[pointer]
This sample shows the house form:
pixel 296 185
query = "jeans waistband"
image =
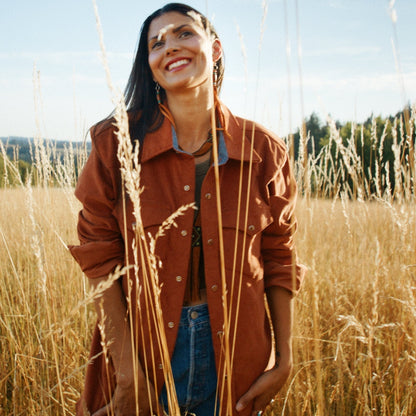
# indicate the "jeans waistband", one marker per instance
pixel 194 315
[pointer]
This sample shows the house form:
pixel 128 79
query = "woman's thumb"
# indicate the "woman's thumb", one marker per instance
pixel 244 401
pixel 103 411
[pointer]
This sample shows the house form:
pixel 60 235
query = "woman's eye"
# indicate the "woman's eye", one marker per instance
pixel 185 34
pixel 156 45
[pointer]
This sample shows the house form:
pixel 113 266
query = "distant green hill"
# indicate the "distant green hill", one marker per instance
pixel 22 148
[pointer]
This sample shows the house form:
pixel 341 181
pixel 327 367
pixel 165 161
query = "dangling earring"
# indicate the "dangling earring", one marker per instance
pixel 215 74
pixel 162 108
pixel 157 88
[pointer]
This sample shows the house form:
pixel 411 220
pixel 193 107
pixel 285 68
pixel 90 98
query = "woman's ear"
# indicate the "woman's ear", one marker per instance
pixel 216 50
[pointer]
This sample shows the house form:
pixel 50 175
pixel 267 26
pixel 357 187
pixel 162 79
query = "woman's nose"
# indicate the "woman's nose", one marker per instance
pixel 171 47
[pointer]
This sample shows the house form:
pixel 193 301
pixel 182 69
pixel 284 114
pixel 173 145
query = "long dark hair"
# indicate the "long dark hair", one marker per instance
pixel 139 94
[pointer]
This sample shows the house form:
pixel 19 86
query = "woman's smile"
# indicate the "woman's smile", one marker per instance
pixel 177 64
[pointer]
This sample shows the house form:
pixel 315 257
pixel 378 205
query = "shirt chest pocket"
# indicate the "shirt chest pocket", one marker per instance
pixel 242 240
pixel 153 216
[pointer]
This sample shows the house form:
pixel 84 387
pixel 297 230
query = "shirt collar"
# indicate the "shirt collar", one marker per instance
pixel 239 134
pixel 157 142
pixel 233 142
pixel 222 149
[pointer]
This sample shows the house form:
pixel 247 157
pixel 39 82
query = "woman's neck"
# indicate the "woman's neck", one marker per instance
pixel 192 115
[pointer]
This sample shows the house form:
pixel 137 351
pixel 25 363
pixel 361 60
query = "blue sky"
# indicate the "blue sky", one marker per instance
pixel 347 66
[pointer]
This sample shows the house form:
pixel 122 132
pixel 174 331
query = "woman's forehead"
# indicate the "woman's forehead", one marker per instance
pixel 170 21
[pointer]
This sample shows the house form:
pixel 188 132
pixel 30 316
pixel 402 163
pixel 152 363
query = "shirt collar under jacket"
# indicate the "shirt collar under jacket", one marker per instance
pixel 230 143
pixel 222 149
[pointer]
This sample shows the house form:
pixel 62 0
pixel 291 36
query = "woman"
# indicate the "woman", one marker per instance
pixel 221 358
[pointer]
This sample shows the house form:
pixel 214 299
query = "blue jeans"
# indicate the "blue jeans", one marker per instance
pixel 193 364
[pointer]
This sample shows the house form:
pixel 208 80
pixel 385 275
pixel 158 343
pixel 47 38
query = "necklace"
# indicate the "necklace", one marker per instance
pixel 205 147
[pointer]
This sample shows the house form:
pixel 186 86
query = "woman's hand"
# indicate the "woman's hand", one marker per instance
pixel 124 402
pixel 265 388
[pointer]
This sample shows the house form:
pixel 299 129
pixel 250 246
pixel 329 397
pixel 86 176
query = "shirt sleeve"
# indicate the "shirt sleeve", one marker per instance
pixel 101 246
pixel 278 249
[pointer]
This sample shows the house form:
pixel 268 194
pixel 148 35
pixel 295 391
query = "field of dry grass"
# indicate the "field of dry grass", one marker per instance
pixel 355 327
pixel 355 332
pixel 44 327
pixel 355 320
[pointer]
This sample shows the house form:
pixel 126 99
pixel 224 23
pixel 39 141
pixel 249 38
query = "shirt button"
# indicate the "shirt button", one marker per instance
pixel 214 288
pixel 179 279
pixel 210 242
pixel 194 314
pixel 160 366
pixel 208 196
pixel 251 227
pixel 184 233
pixel 171 324
pixel 186 188
pixel 220 333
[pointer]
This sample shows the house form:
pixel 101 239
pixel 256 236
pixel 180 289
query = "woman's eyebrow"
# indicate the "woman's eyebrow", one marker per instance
pixel 179 28
pixel 165 29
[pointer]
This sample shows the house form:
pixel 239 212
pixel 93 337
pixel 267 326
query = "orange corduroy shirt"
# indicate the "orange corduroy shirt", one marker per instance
pixel 258 248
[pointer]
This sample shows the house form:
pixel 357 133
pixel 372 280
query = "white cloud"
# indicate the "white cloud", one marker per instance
pixel 344 51
pixel 374 83
pixel 337 4
pixel 63 56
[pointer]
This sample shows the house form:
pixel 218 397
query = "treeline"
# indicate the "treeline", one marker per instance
pixel 42 161
pixel 375 159
pixel 362 160
pixel 23 148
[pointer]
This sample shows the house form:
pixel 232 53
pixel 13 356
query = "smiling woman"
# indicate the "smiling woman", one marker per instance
pixel 140 91
pixel 182 56
pixel 184 330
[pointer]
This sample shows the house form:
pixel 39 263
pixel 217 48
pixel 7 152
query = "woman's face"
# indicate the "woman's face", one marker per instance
pixel 181 54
